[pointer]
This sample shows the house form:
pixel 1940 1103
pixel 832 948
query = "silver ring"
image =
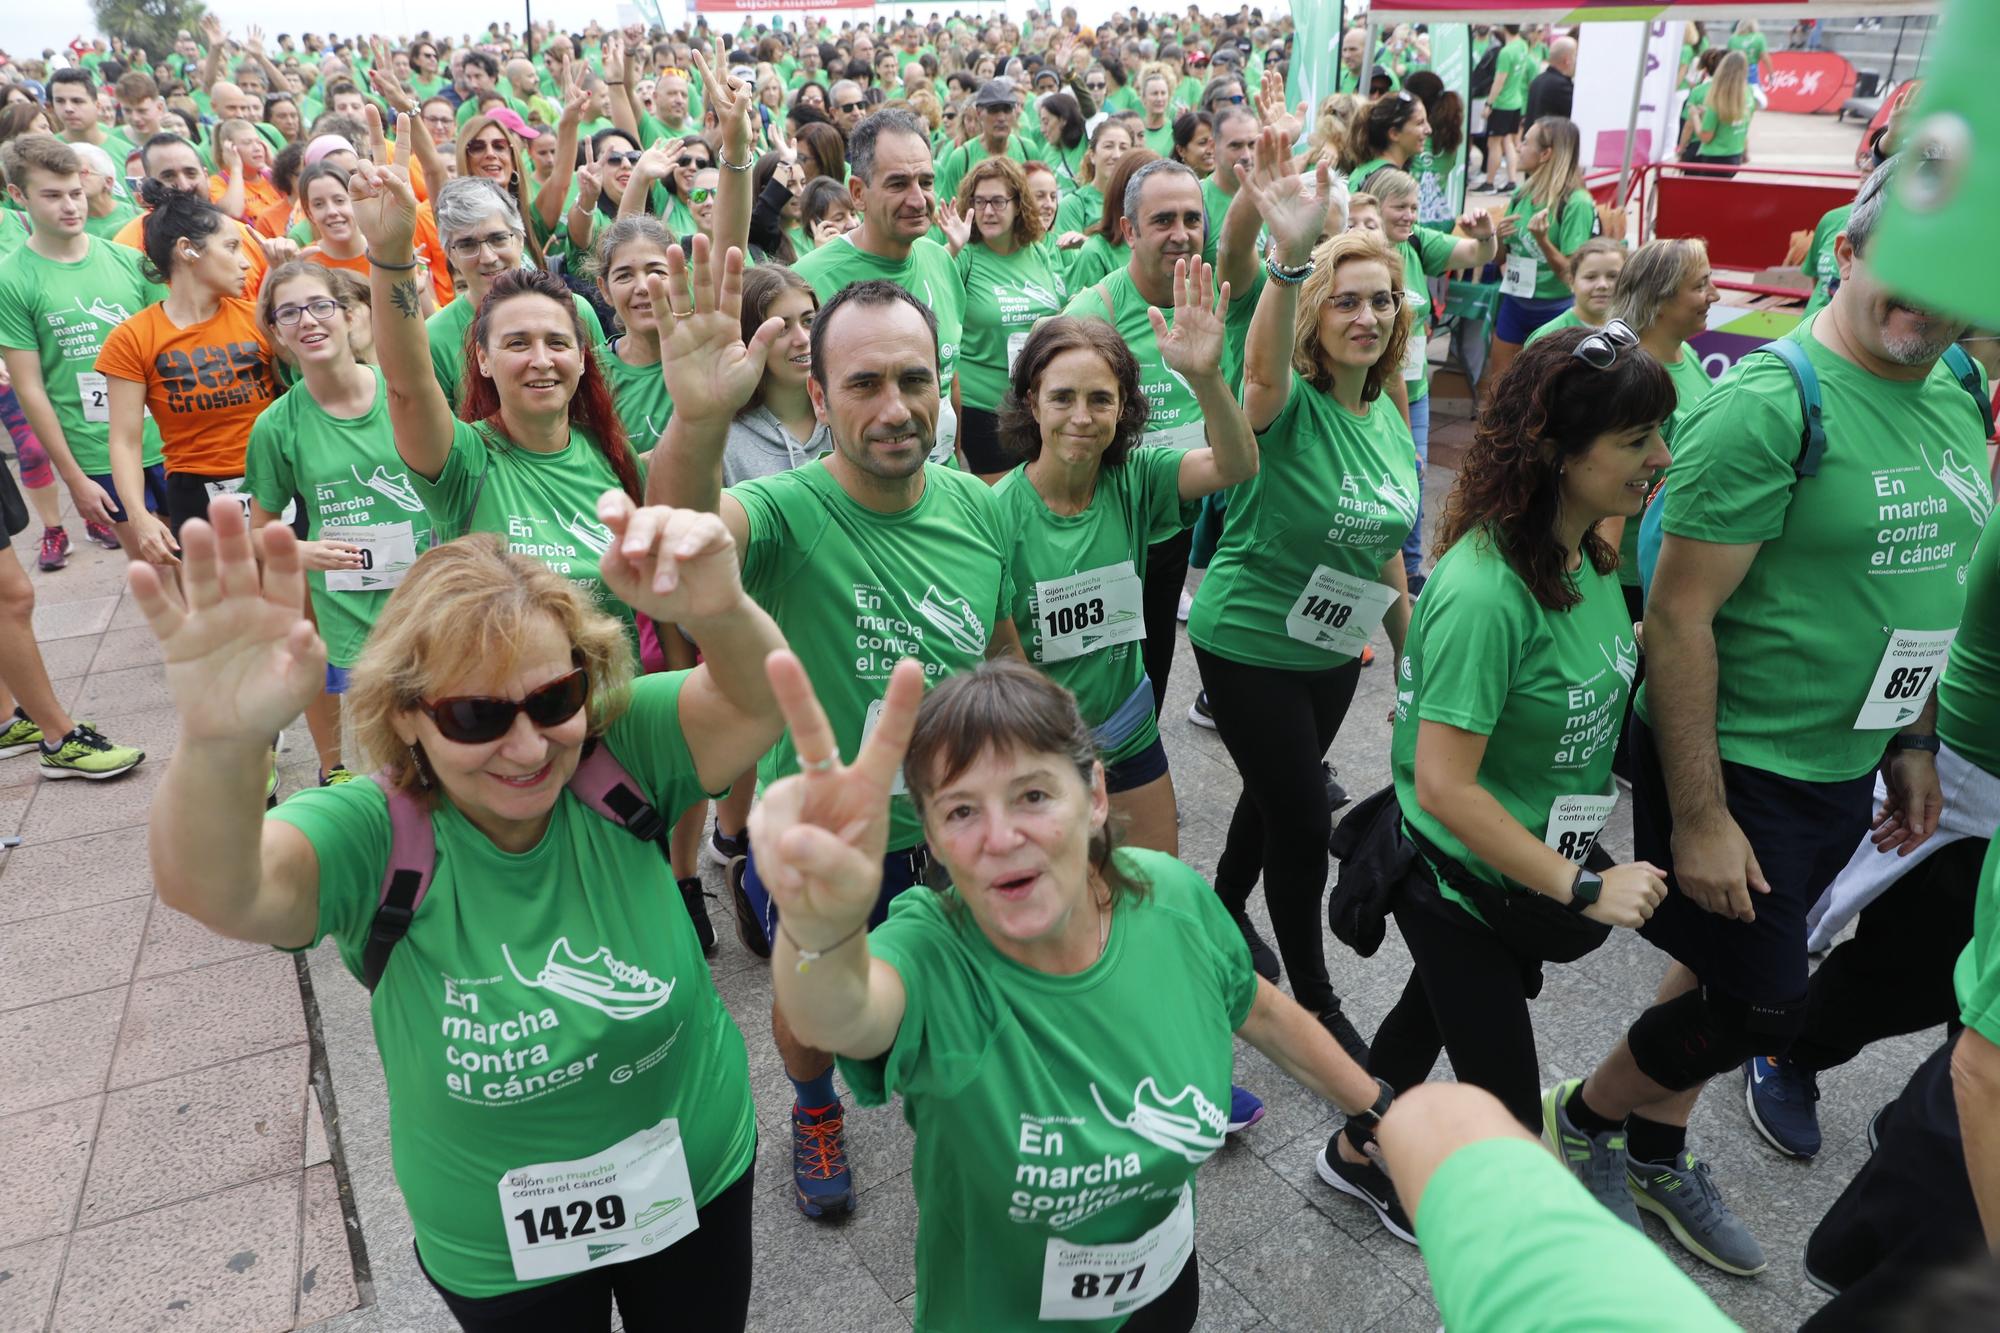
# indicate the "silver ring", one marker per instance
pixel 816 765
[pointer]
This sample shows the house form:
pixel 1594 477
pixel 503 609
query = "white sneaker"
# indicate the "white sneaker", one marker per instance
pixel 1187 605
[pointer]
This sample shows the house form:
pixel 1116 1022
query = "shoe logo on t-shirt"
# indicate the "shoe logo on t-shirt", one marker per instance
pixel 1963 480
pixel 1623 657
pixel 617 989
pixel 588 532
pixel 1153 1117
pixel 396 489
pixel 107 312
pixel 956 618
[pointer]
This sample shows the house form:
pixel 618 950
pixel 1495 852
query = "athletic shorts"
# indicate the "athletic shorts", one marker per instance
pixel 336 679
pixel 155 481
pixel 13 509
pixel 1519 316
pixel 1500 124
pixel 188 497
pixel 1129 774
pixel 1802 834
pixel 900 870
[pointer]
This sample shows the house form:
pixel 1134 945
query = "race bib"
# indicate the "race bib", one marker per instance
pixel 387 552
pixel 1575 822
pixel 233 488
pixel 1338 612
pixel 1015 342
pixel 95 393
pixel 1908 673
pixel 868 721
pixel 1188 435
pixel 947 431
pixel 1416 352
pixel 1104 1281
pixel 1518 278
pixel 1086 612
pixel 628 1202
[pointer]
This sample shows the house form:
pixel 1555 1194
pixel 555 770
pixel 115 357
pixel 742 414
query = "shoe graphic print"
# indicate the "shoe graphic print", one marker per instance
pixel 956 618
pixel 396 489
pixel 103 311
pixel 588 532
pixel 616 989
pixel 1966 483
pixel 1187 1123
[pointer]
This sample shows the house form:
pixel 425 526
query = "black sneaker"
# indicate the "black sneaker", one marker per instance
pixel 749 926
pixel 1335 1021
pixel 1370 1184
pixel 693 894
pixel 1336 795
pixel 722 850
pixel 1198 712
pixel 1263 958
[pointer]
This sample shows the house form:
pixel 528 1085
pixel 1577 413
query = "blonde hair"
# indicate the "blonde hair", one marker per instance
pixel 1387 185
pixel 1561 173
pixel 1149 72
pixel 1330 125
pixel 1729 92
pixel 472 601
pixel 1653 275
pixel 1349 247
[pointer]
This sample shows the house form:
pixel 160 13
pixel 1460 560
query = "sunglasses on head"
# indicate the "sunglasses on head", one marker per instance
pixel 1600 350
pixel 476 720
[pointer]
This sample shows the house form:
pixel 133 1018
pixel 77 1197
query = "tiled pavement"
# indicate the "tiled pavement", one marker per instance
pixel 158 1165
pixel 162 1154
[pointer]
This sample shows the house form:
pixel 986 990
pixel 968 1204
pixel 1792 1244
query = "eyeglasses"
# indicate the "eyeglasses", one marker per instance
pixel 476 720
pixel 1234 99
pixel 849 106
pixel 320 308
pixel 700 195
pixel 1349 304
pixel 988 201
pixel 467 246
pixel 1600 350
pixel 1095 85
pixel 621 159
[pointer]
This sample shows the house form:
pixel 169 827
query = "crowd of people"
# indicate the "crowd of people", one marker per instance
pixel 584 430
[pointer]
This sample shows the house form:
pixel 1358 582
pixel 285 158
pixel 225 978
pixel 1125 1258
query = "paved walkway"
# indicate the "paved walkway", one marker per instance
pixel 162 1154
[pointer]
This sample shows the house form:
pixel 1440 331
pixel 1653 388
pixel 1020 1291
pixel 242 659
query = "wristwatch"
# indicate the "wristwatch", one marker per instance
pixel 1367 1121
pixel 1583 890
pixel 1912 740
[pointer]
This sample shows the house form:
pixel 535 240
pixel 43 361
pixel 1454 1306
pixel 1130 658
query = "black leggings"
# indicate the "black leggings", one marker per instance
pixel 1467 996
pixel 700 1281
pixel 1166 575
pixel 1277 726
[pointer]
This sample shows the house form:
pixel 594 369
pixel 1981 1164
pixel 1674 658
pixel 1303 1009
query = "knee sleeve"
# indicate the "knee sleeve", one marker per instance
pixel 1698 1035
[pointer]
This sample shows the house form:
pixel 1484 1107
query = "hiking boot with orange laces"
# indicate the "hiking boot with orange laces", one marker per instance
pixel 821 1182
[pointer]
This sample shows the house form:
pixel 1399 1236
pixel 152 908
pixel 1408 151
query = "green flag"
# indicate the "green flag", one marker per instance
pixel 1936 208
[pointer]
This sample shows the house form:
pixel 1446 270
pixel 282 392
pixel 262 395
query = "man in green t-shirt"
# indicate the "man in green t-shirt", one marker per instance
pixel 1505 105
pixel 1820 264
pixel 1750 790
pixel 999 113
pixel 865 556
pixel 894 190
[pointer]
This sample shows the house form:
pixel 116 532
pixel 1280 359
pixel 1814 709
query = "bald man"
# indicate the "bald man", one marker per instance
pixel 1554 89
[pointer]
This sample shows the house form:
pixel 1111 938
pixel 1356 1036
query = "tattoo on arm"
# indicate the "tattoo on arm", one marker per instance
pixel 404 294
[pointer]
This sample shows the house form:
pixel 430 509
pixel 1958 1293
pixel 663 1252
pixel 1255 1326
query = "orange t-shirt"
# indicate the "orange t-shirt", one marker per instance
pixel 429 249
pixel 133 234
pixel 205 384
pixel 259 195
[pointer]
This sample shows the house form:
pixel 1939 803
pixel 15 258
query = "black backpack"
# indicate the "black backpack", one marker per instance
pixel 1483 72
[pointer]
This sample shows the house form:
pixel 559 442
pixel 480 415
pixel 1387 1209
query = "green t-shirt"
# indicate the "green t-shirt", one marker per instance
pixel 1968 695
pixel 1546 688
pixel 1004 296
pixel 927 274
pixel 639 394
pixel 1079 210
pixel 1689 53
pixel 1089 568
pixel 970 154
pixel 1072 1108
pixel 545 505
pixel 1094 260
pixel 1490 1272
pixel 1570 225
pixel 1821 265
pixel 1976 978
pixel 111 223
pixel 1067 164
pixel 855 590
pixel 446 330
pixel 1731 139
pixel 1122 98
pixel 1333 499
pixel 1425 255
pixel 1753 46
pixel 63 313
pixel 1691 384
pixel 1160 140
pixel 570 1007
pixel 348 475
pixel 1568 319
pixel 1882 534
pixel 1517 62
pixel 1173 416
pixel 1697 99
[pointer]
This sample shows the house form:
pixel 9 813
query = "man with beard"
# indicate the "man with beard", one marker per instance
pixel 1807 588
pixel 864 556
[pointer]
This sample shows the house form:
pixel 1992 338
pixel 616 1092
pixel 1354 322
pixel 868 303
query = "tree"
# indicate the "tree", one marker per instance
pixel 148 23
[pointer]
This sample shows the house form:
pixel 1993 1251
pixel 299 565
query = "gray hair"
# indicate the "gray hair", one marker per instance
pixel 1136 186
pixel 861 144
pixel 1652 276
pixel 1868 200
pixel 463 202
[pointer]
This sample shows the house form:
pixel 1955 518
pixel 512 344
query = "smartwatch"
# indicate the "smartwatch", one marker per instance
pixel 1367 1121
pixel 1912 740
pixel 1583 890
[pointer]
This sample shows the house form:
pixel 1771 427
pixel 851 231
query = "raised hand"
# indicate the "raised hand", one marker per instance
pixel 230 159
pixel 589 184
pixel 657 162
pixel 1294 216
pixel 829 229
pixel 575 102
pixel 242 658
pixel 385 208
pixel 211 30
pixel 956 225
pixel 1538 225
pixel 1478 224
pixel 821 833
pixel 709 370
pixel 383 80
pixel 253 40
pixel 1192 345
pixel 675 565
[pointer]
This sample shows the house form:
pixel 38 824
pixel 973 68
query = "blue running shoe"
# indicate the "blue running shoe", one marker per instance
pixel 821 1182
pixel 1245 1108
pixel 1779 1096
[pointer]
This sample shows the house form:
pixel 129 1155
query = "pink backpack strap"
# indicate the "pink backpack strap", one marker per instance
pixel 602 783
pixel 412 862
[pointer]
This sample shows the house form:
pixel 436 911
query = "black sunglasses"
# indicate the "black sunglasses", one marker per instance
pixel 476 720
pixel 622 159
pixel 851 106
pixel 1600 350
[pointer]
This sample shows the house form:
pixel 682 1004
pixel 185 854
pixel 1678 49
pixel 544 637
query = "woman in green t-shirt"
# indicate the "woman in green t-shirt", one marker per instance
pixel 1723 129
pixel 1063 1091
pixel 1520 661
pixel 1390 131
pixel 1085 204
pixel 1552 215
pixel 545 1020
pixel 1697 97
pixel 1752 45
pixel 1009 285
pixel 1104 249
pixel 1310 562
